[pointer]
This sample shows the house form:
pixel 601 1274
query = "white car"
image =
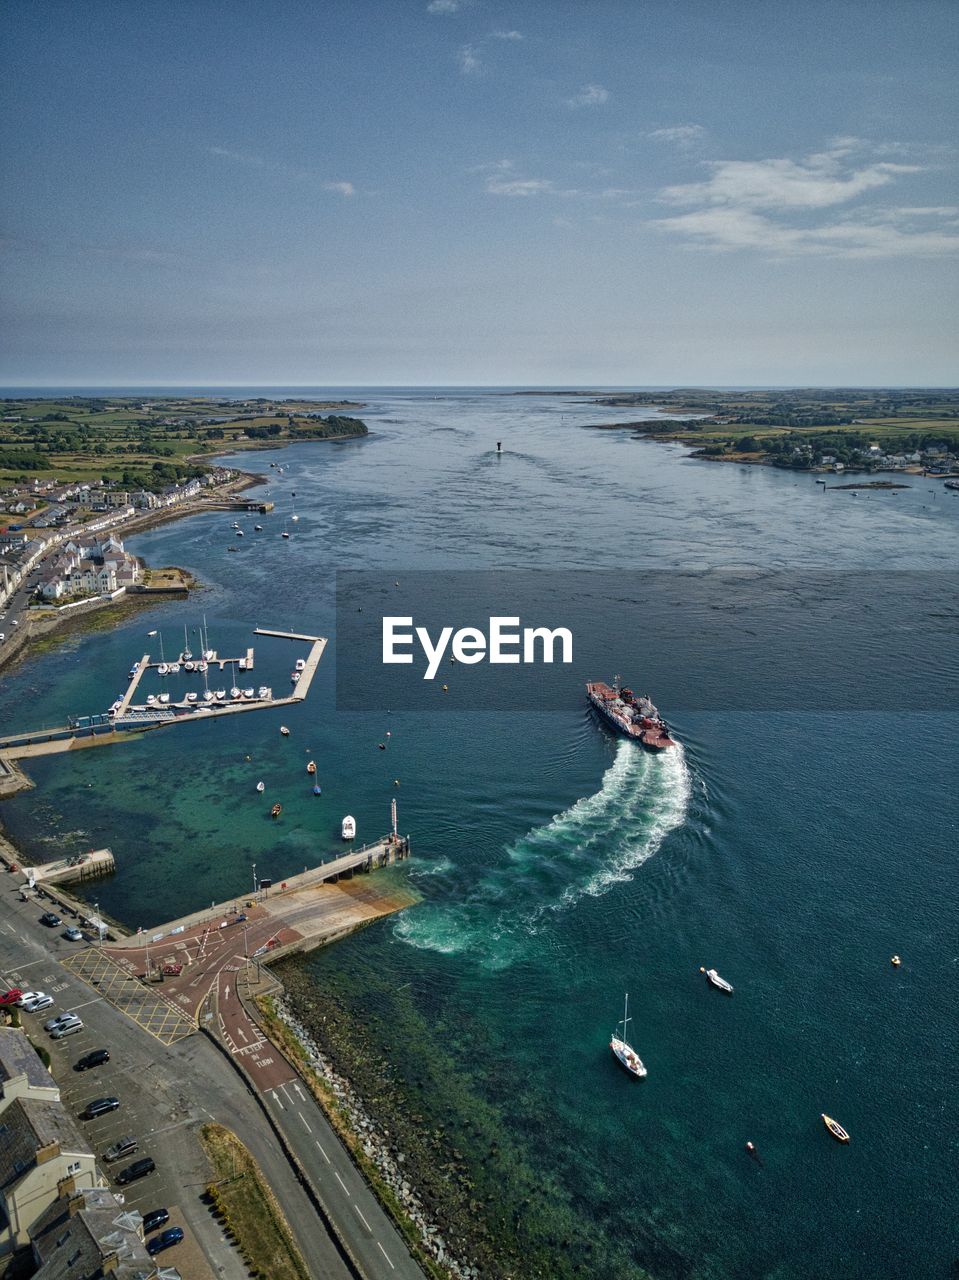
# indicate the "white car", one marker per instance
pixel 37 1004
pixel 30 995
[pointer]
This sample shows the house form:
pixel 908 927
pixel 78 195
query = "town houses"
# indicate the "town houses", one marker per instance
pixel 85 567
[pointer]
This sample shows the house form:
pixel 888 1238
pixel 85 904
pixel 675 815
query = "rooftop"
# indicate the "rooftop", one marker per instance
pixel 19 1058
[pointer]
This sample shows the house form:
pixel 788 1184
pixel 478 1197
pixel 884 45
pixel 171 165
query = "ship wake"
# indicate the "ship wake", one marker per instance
pixel 598 842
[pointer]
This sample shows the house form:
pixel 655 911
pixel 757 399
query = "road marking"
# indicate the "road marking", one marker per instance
pixel 303 1118
pixel 322 1152
pixel 341 1182
pixel 296 1086
pixel 362 1219
pixel 271 1093
pixel 385 1255
pixel 95 1000
pixel 32 962
pixel 286 1095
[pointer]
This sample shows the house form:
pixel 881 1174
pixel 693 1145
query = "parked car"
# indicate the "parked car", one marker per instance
pixel 172 1235
pixel 13 996
pixel 59 1019
pixel 155 1218
pixel 66 1029
pixel 96 1058
pixel 100 1107
pixel 50 919
pixel 139 1169
pixel 29 995
pixel 72 934
pixel 124 1147
pixel 37 1004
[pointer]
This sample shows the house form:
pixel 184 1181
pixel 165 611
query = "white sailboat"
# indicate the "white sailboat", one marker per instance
pixel 187 655
pixel 623 1051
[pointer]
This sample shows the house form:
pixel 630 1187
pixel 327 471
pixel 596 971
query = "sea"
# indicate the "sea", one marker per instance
pixel 794 843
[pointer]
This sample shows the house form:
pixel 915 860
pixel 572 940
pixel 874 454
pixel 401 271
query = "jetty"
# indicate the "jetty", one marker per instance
pixel 73 870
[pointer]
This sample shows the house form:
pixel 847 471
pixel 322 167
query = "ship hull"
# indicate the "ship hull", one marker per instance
pixel 649 732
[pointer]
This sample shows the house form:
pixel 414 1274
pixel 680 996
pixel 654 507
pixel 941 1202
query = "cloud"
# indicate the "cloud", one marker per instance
pixel 250 161
pixel 506 35
pixel 239 157
pixel 444 6
pixel 519 186
pixel 469 60
pixel 814 183
pixel 779 206
pixel 591 95
pixel 683 135
pixel 341 188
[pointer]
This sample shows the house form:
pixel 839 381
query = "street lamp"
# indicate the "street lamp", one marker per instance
pixel 255 884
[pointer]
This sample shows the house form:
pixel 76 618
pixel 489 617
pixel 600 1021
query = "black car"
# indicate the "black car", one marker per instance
pixel 95 1059
pixel 100 1107
pixel 155 1218
pixel 172 1235
pixel 139 1169
pixel 50 920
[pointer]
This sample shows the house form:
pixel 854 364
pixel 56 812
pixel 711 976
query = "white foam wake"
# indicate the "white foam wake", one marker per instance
pixel 598 842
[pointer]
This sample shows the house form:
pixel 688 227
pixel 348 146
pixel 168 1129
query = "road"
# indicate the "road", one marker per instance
pixel 166 1092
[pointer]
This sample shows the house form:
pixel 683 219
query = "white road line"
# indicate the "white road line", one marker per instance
pixel 296 1086
pixel 385 1255
pixel 322 1152
pixel 32 963
pixel 362 1219
pixel 95 1000
pixel 286 1095
pixel 341 1182
pixel 271 1093
pixel 303 1118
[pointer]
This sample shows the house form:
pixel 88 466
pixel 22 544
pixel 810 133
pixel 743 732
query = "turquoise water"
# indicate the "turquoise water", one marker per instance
pixel 559 866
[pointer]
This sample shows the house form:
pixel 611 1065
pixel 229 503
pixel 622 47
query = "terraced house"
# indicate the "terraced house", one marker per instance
pixel 84 568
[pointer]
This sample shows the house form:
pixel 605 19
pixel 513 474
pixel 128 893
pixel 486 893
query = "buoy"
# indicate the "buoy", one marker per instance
pixel 388 734
pixel 750 1146
pixel 701 969
pixel 396 782
pixel 896 962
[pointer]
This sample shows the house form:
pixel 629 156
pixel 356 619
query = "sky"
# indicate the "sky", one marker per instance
pixel 502 192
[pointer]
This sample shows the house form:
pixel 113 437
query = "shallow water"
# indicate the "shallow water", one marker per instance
pixel 560 866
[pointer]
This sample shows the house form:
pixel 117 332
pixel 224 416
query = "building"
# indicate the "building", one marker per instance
pixel 86 567
pixel 22 1074
pixel 41 1152
pixel 88 1234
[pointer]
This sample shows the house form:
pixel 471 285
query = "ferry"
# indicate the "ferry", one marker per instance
pixel 637 717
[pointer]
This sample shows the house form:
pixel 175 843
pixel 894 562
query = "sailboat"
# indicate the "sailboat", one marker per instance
pixel 294 517
pixel 187 655
pixel 623 1051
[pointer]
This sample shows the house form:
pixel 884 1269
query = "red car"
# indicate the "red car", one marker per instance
pixel 11 996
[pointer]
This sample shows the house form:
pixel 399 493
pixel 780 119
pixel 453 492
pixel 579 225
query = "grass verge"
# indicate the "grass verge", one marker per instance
pixel 249 1211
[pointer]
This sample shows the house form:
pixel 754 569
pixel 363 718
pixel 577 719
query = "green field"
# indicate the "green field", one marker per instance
pixel 148 443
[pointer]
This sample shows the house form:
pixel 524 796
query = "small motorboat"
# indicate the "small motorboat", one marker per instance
pixel 263 691
pixel 202 665
pixel 189 666
pixel 276 811
pixel 248 693
pixel 294 677
pixel 162 669
pixel 239 533
pixel 257 528
pixel 261 786
pixel 716 981
pixel 207 695
pixel 284 730
pixel 284 534
pixel 311 767
pixel 236 693
pixel 191 697
pixel 301 664
pixel 220 695
pixel 151 699
pixel 348 828
pixel 173 669
pixel 164 698
pixel 835 1128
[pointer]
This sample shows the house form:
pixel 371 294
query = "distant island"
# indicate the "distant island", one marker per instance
pixel 862 429
pixel 154 441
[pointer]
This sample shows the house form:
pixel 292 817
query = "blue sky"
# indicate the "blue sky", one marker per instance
pixel 479 191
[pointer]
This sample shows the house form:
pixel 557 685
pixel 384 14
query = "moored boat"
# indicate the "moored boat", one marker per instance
pixel 715 980
pixel 311 767
pixel 835 1128
pixel 284 730
pixel 622 1050
pixel 348 827
pixel 276 811
pixel 261 786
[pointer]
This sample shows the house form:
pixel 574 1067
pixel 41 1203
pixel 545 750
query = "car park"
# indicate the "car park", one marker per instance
pixel 96 1058
pixel 60 1020
pixel 66 1029
pixel 50 919
pixel 38 1002
pixel 72 934
pixel 172 1236
pixel 123 1147
pixel 155 1218
pixel 13 996
pixel 139 1169
pixel 100 1107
